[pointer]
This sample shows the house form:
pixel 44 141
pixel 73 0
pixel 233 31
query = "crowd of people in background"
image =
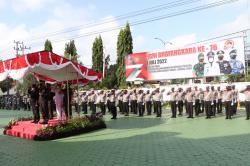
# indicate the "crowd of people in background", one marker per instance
pixel 15 102
pixel 45 99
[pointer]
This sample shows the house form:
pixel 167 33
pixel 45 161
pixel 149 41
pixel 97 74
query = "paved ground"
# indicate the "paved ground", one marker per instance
pixel 137 141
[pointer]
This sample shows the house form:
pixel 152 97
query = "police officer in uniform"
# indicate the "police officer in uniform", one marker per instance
pixel 197 101
pixel 214 99
pixel 198 69
pixel 202 103
pixel 190 102
pixel 125 100
pixel 208 102
pixel 148 100
pixel 34 95
pixel 224 65
pixel 235 100
pixel 43 103
pixel 93 100
pixel 112 98
pixel 236 65
pixel 228 100
pixel 179 100
pixel 157 98
pixel 219 102
pixel 247 101
pixel 141 102
pixel 119 97
pixel 172 101
pixel 211 68
pixel 133 102
pixel 102 97
pixel 84 100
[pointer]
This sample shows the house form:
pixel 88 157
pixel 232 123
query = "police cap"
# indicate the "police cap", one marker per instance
pixel 220 52
pixel 233 52
pixel 210 54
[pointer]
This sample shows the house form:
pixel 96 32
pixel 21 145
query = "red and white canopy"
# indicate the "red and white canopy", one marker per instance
pixel 47 66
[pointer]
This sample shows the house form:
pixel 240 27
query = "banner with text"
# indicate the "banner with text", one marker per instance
pixel 195 61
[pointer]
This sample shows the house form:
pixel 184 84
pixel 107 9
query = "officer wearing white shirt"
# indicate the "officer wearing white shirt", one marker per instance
pixel 211 68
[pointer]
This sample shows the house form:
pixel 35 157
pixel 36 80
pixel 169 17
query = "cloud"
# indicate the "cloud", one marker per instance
pixel 2 3
pixel 63 16
pixel 240 23
pixel 32 5
pixel 183 40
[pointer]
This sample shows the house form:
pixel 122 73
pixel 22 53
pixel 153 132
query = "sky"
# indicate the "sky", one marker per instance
pixel 59 21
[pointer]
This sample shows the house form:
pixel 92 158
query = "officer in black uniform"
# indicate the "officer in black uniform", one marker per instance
pixel 34 95
pixel 224 65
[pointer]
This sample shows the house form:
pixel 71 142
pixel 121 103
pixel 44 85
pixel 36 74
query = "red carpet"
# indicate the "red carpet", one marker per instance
pixel 27 130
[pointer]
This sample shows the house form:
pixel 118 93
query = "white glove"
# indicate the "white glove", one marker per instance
pixel 176 102
pixel 212 103
pixel 232 103
pixel 193 103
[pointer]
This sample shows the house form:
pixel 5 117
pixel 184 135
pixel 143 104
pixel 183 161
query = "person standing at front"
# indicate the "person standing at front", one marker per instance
pixel 247 101
pixel 208 102
pixel 157 98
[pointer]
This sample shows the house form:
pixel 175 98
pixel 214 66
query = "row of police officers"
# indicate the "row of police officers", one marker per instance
pixel 194 100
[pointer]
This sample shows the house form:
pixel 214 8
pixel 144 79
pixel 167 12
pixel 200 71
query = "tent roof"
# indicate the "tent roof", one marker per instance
pixel 47 66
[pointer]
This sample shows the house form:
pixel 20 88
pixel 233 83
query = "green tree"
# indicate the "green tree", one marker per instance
pixel 70 51
pixel 6 85
pixel 106 62
pixel 124 47
pixel 110 81
pixel 97 54
pixel 48 46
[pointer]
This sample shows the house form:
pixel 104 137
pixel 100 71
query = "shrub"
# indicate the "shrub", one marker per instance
pixel 73 126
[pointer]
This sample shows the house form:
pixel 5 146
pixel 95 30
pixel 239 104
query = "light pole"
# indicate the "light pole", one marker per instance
pixel 163 42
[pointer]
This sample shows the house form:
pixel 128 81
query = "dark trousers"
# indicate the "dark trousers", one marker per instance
pixel 92 107
pixel 247 105
pixel 155 107
pixel 113 110
pixel 197 107
pixel 180 107
pixel 141 108
pixel 208 108
pixel 158 108
pixel 133 105
pixel 214 106
pixel 84 107
pixel 185 104
pixel 50 108
pixel 103 108
pixel 190 109
pixel 173 108
pixel 202 106
pixel 228 108
pixel 35 110
pixel 108 105
pixel 219 106
pixel 43 106
pixel 120 106
pixel 125 108
pixel 234 108
pixel 149 107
